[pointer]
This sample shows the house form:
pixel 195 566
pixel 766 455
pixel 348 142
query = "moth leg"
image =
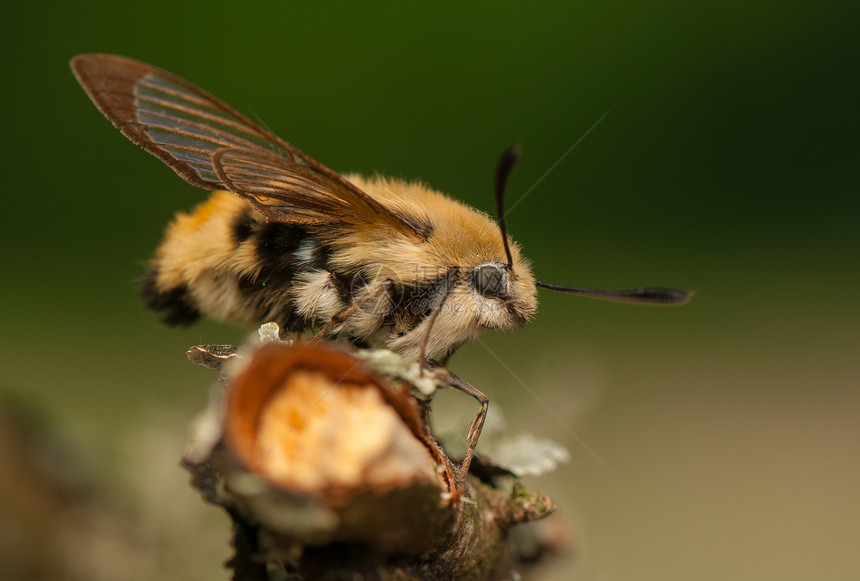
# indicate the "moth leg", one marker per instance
pixel 453 380
pixel 430 322
pixel 346 313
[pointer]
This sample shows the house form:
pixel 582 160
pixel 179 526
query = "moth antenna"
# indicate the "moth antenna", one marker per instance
pixel 651 295
pixel 506 164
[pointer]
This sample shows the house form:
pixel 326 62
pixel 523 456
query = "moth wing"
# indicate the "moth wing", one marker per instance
pixel 287 191
pixel 188 129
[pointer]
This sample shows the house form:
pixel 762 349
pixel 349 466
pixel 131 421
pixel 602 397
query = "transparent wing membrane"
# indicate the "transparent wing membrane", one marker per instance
pixel 175 117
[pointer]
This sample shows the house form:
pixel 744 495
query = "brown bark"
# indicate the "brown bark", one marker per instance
pixel 329 471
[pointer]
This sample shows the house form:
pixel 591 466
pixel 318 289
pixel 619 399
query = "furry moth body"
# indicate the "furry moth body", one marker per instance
pixel 225 261
pixel 285 239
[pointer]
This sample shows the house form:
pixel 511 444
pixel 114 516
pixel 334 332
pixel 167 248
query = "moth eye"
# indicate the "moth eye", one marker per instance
pixel 489 280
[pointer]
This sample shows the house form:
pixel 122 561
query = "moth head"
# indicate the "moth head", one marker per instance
pixel 504 291
pixel 504 297
pixel 501 293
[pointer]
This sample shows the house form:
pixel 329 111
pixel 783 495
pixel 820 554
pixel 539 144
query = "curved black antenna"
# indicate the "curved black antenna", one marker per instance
pixel 506 164
pixel 652 295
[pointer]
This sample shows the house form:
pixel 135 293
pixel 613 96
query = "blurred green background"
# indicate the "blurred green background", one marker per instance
pixel 728 430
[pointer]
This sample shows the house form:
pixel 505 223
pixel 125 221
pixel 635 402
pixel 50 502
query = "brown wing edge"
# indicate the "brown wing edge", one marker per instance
pixel 347 202
pixel 272 213
pixel 109 81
